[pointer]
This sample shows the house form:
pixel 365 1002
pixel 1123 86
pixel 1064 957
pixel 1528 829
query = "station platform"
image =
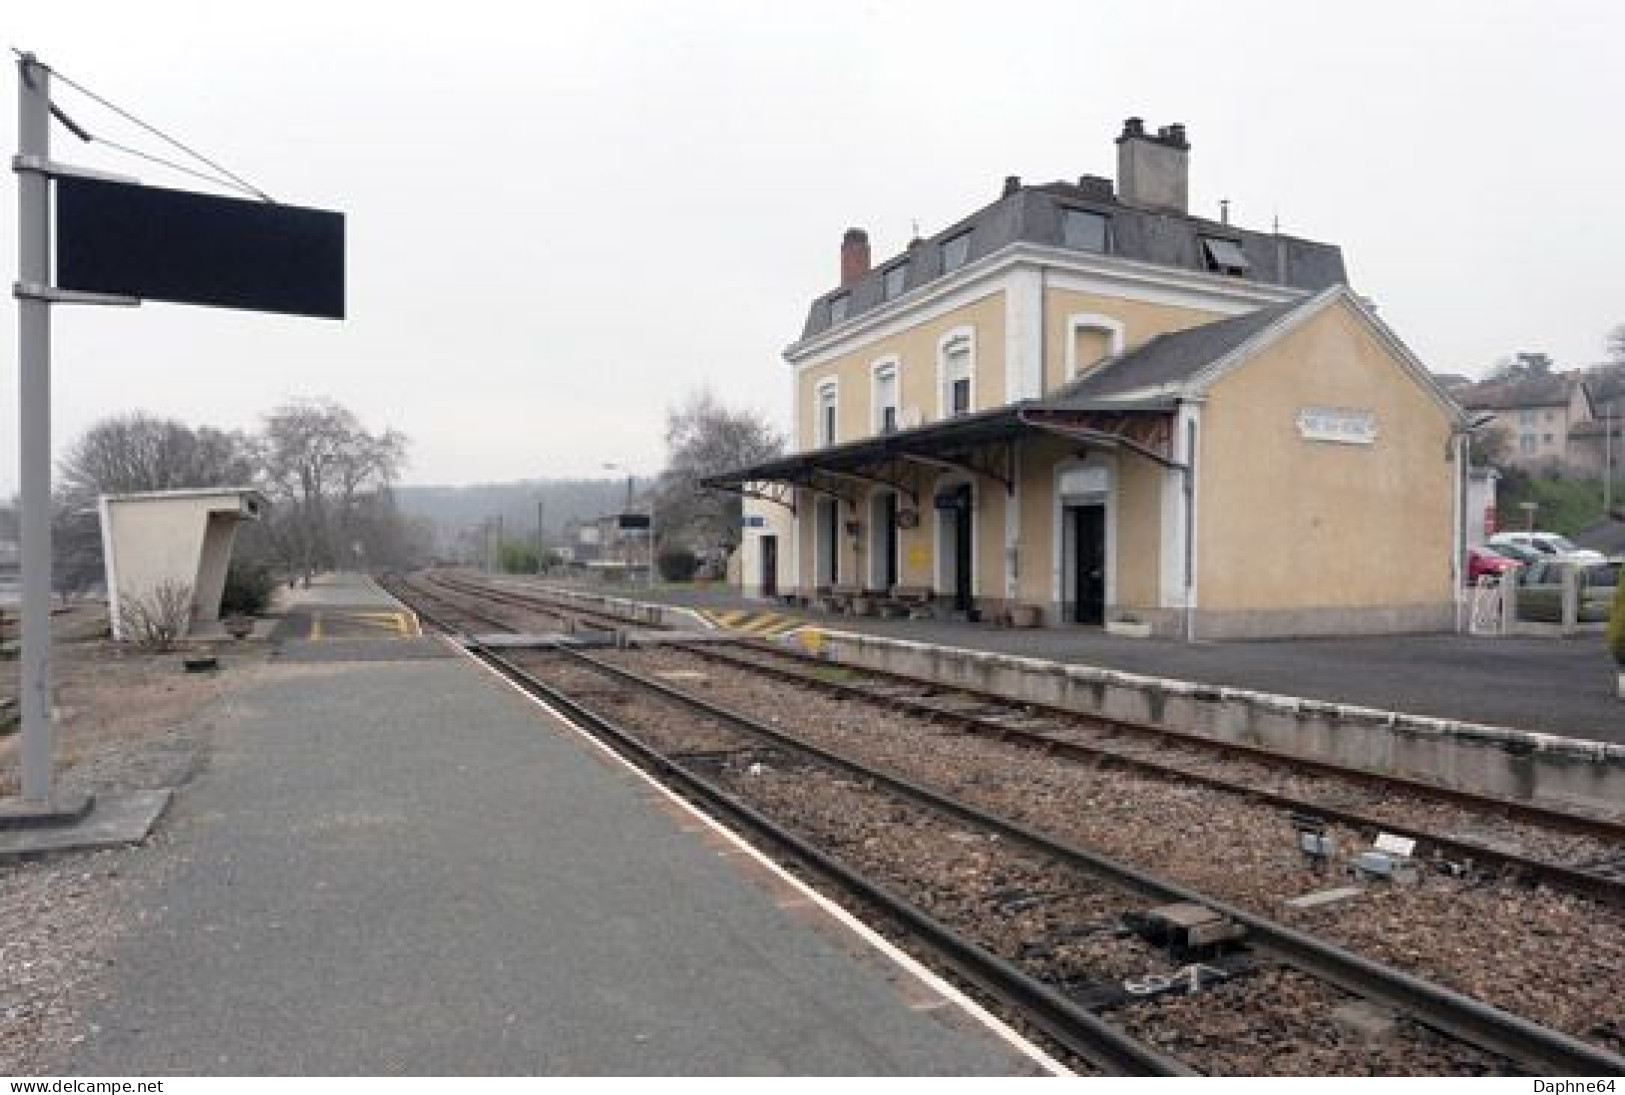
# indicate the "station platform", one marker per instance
pixel 398 866
pixel 1555 686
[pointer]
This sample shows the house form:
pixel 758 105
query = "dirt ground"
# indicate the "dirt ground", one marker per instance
pixel 108 697
pixel 124 719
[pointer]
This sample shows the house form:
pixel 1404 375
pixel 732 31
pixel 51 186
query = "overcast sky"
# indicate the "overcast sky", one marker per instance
pixel 563 218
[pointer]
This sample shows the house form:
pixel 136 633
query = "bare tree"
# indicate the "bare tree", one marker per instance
pixel 318 461
pixel 126 454
pixel 704 438
pixel 1522 366
pixel 140 452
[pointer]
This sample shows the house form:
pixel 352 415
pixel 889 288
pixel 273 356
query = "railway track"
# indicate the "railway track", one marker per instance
pixel 1367 804
pixel 759 775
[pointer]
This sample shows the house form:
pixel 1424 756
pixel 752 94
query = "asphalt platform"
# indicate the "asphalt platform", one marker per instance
pixel 402 866
pixel 1548 685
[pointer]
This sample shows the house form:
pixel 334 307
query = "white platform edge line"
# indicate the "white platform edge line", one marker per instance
pixel 830 908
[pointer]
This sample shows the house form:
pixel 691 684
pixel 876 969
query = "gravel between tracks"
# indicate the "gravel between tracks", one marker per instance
pixel 1553 957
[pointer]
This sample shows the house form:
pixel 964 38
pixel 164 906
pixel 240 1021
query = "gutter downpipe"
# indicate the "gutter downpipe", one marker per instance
pixel 1188 470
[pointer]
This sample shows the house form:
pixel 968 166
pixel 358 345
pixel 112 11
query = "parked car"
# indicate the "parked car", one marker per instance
pixel 1485 560
pixel 1547 543
pixel 1522 554
pixel 1540 589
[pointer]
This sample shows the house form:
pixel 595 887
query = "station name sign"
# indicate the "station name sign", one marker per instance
pixel 188 248
pixel 1337 424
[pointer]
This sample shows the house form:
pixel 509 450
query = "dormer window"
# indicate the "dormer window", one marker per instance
pixel 1224 256
pixel 896 280
pixel 1083 230
pixel 955 251
pixel 837 308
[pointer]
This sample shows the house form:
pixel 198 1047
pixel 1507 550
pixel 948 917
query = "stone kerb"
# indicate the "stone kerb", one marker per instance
pixel 1488 759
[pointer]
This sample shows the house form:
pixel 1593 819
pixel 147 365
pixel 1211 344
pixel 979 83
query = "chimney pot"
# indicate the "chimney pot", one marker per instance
pixel 854 256
pixel 1154 172
pixel 1012 183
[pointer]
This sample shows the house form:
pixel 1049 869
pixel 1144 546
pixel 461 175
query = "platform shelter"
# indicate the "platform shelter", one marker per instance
pixel 178 537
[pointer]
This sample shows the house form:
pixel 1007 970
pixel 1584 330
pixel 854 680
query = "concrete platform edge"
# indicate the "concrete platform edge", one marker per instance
pixel 1565 772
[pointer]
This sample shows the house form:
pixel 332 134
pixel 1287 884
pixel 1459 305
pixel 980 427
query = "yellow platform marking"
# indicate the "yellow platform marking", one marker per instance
pixel 364 624
pixel 751 622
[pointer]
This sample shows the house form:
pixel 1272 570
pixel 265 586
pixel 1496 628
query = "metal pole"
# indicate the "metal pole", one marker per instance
pixel 1607 463
pixel 34 412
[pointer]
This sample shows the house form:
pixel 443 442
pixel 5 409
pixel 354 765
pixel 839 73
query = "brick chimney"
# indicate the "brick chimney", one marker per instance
pixel 1153 171
pixel 854 256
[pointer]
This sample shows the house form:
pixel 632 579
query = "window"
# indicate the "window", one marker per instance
pixel 885 397
pixel 1091 339
pixel 1526 418
pixel 957 371
pixel 896 280
pixel 1546 439
pixel 1526 443
pixel 837 308
pixel 825 426
pixel 955 251
pixel 1224 256
pixel 1083 230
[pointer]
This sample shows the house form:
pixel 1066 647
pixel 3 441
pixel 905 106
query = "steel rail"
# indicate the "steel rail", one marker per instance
pixel 1462 1017
pixel 1574 879
pixel 1080 1030
pixel 1603 828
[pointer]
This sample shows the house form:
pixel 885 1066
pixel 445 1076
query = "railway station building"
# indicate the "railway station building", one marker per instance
pixel 1082 404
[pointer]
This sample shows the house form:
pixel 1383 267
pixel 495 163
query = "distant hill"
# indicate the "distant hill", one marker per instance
pixel 455 509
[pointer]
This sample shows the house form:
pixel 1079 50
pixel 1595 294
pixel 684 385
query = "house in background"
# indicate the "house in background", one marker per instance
pixel 1086 401
pixel 1540 415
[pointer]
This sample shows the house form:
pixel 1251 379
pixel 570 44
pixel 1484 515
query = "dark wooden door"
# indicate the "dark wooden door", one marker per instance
pixel 1089 559
pixel 770 566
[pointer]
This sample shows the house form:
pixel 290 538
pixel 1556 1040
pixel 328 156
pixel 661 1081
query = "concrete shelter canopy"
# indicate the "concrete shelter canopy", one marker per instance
pixel 174 537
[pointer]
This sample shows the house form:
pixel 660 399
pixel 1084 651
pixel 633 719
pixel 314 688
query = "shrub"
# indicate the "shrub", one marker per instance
pixel 677 564
pixel 158 619
pixel 1616 624
pixel 248 589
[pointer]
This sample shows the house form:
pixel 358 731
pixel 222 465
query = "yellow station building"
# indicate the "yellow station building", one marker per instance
pixel 1082 404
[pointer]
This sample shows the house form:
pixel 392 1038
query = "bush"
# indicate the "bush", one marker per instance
pixel 677 564
pixel 157 620
pixel 1616 624
pixel 248 589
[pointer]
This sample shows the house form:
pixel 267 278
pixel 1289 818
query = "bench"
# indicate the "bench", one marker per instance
pixel 915 601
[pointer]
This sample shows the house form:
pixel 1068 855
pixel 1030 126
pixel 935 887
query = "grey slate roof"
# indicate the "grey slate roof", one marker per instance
pixel 1034 214
pixel 1554 390
pixel 1166 361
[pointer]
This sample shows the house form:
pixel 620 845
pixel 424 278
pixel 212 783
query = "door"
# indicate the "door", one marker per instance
pixel 888 542
pixel 955 527
pixel 770 566
pixel 1089 563
pixel 962 555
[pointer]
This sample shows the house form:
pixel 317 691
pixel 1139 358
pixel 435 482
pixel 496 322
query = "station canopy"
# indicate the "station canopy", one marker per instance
pixel 981 444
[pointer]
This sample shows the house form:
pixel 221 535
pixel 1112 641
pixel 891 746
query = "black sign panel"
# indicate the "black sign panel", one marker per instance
pixel 633 520
pixel 174 245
